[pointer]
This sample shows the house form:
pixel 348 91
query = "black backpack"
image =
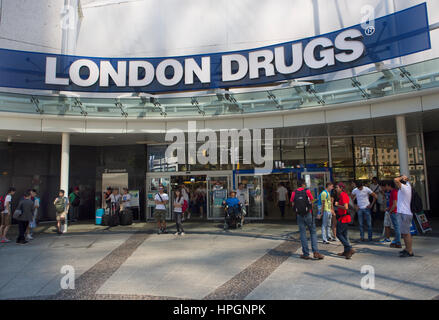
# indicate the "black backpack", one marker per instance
pixel 416 205
pixel 301 202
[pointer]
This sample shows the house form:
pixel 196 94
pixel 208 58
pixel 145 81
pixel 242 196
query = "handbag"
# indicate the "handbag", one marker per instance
pixel 17 214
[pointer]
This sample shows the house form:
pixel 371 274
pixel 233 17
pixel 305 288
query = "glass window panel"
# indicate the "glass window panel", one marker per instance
pixel 388 172
pixel 292 153
pixel 365 172
pixel 341 149
pixel 417 179
pixel 364 151
pixel 416 155
pixel 387 150
pixel 157 161
pixel 317 152
pixel 343 174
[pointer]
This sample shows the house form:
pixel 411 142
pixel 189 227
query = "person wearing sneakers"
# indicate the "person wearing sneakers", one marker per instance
pixel 32 224
pixel 161 200
pixel 327 211
pixel 404 215
pixel 301 201
pixel 390 217
pixel 393 202
pixel 178 211
pixel 61 204
pixel 26 206
pixel 361 194
pixel 343 220
pixel 6 216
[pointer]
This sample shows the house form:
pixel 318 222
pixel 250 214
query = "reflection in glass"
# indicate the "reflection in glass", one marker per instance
pixel 316 151
pixel 341 149
pixel 364 151
pixel 387 150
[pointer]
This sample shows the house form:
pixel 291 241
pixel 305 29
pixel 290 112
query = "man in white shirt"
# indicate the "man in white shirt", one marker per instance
pixel 362 193
pixel 282 198
pixel 404 213
pixel 161 200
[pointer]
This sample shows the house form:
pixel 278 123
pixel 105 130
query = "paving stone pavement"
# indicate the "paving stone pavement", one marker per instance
pixel 260 261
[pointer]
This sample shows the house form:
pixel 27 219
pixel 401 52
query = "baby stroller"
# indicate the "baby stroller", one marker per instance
pixel 233 216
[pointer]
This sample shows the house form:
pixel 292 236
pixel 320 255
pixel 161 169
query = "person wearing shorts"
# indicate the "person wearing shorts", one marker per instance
pixel 61 204
pixel 161 200
pixel 404 215
pixel 6 216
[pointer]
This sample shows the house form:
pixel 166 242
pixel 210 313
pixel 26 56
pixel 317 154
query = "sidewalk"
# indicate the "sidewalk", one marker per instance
pixel 261 261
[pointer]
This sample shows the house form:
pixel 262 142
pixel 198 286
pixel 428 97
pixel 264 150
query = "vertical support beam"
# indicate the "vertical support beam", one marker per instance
pixel 65 162
pixel 401 132
pixel 329 153
pixel 427 193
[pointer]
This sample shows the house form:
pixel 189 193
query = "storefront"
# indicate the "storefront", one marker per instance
pixel 329 107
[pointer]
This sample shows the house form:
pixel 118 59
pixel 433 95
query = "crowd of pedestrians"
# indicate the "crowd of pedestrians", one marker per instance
pixel 26 214
pixel 334 203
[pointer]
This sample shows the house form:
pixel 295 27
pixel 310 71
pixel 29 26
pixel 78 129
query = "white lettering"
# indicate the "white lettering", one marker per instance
pixel 191 68
pixel 161 72
pixel 265 63
pixel 51 73
pixel 119 77
pixel 68 281
pixel 297 55
pixel 368 281
pixel 93 69
pixel 134 80
pixel 227 71
pixel 344 41
pixel 207 153
pixel 326 55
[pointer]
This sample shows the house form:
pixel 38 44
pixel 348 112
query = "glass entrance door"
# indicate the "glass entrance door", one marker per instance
pixel 153 184
pixel 195 190
pixel 218 190
pixel 252 192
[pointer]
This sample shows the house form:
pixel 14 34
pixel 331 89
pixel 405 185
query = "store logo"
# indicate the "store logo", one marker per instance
pixel 257 147
pixel 317 53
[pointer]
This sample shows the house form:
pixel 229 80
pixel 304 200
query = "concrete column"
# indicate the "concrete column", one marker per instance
pixel 402 145
pixel 65 162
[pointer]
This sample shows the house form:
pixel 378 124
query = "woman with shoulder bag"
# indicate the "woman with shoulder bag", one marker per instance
pixel 24 214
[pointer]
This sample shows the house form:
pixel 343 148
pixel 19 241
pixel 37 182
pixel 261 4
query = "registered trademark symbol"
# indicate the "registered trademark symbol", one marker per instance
pixel 369 30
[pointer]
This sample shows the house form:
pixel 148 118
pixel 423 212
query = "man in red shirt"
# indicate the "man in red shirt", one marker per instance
pixel 343 220
pixel 301 200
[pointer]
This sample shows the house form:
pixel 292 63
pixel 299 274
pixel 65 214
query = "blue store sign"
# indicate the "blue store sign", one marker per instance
pixel 399 34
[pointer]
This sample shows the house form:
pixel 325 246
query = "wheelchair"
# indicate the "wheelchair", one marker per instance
pixel 233 217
